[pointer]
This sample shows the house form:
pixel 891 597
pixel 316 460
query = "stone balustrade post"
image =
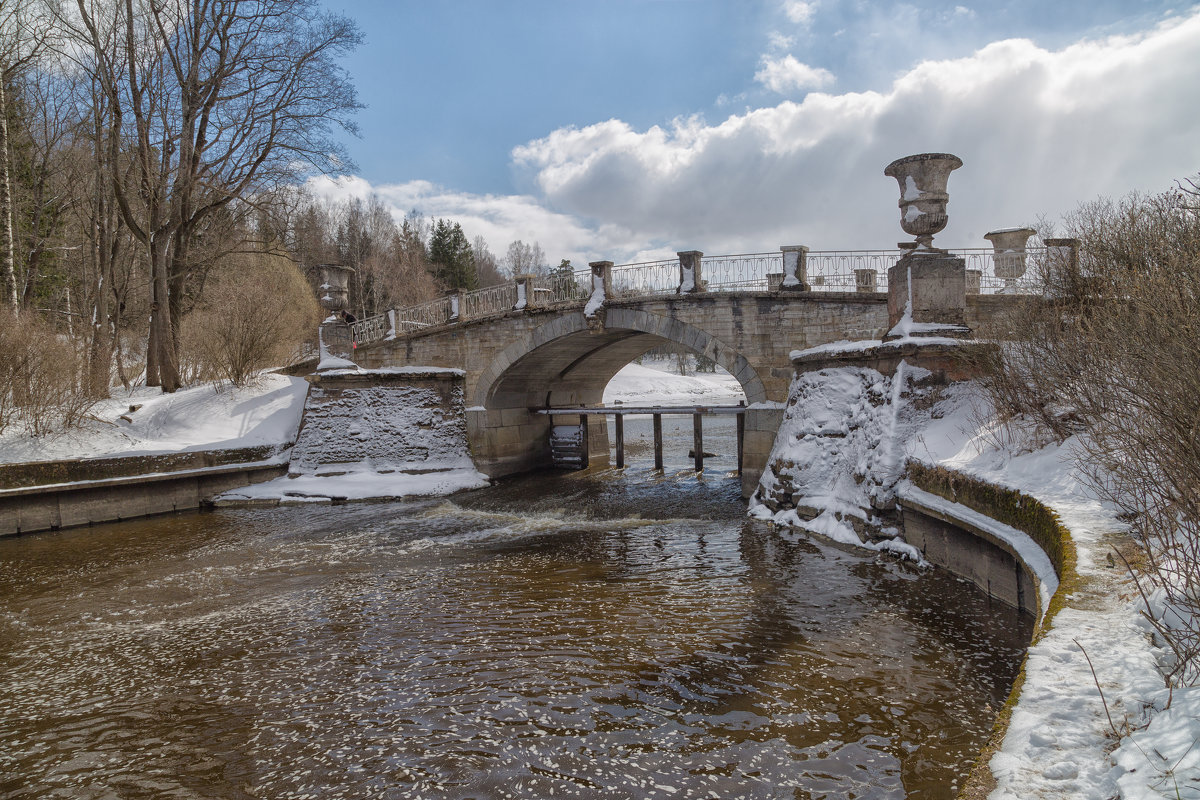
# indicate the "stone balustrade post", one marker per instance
pixel 690 280
pixel 601 287
pixel 865 280
pixel 795 268
pixel 458 308
pixel 1064 252
pixel 526 296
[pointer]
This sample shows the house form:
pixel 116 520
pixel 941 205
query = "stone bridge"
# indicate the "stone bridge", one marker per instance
pixel 563 353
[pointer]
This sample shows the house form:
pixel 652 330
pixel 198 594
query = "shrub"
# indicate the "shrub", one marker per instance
pixel 1114 352
pixel 256 314
pixel 41 376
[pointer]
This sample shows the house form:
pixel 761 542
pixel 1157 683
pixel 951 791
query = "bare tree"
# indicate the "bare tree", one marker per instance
pixel 24 30
pixel 524 259
pixel 215 101
pixel 485 263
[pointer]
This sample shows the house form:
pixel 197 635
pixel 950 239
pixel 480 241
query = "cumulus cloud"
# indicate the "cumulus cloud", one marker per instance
pixel 799 11
pixel 500 219
pixel 1039 131
pixel 784 75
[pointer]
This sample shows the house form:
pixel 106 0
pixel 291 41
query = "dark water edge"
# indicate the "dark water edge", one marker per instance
pixel 583 635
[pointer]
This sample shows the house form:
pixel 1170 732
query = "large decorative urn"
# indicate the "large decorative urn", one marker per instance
pixel 923 196
pixel 1008 245
pixel 335 287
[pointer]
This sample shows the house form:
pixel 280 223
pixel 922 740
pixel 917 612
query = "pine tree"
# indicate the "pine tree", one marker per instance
pixel 450 254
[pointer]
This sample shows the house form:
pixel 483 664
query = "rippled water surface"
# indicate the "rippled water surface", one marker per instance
pixel 560 635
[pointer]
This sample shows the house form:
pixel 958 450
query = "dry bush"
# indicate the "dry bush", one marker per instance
pixel 1114 350
pixel 256 314
pixel 41 376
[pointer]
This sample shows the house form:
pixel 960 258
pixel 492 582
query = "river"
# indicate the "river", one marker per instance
pixel 599 634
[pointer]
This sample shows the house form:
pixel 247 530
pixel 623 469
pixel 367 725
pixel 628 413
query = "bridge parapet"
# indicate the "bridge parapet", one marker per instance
pixel 858 271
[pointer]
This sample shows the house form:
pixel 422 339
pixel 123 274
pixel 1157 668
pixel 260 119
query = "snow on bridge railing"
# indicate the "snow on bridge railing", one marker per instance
pixel 821 270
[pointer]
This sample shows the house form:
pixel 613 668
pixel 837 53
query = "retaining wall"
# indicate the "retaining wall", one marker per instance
pixel 136 486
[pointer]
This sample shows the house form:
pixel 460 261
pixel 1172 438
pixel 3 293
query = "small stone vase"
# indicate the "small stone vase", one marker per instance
pixel 1008 245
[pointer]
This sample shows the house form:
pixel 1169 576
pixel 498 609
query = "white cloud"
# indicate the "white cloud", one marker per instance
pixel 784 75
pixel 500 219
pixel 1039 132
pixel 799 11
pixel 777 41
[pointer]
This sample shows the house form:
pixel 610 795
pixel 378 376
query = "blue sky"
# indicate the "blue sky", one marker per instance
pixel 627 128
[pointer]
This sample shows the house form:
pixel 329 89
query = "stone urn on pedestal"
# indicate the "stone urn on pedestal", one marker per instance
pixel 1008 245
pixel 927 288
pixel 335 287
pixel 334 296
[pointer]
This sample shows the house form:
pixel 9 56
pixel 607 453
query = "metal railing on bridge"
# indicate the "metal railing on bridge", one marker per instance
pixel 855 271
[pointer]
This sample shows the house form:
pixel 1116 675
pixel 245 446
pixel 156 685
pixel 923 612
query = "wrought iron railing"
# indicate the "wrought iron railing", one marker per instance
pixel 560 288
pixel 825 271
pixel 645 279
pixel 750 272
pixel 423 315
pixel 488 301
pixel 371 329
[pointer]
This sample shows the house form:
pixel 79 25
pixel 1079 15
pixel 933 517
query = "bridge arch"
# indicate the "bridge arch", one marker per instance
pixel 568 361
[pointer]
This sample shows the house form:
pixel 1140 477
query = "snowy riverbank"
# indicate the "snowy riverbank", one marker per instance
pixel 1060 740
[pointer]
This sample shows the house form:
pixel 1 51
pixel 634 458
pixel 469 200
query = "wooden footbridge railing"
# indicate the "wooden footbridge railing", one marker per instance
pixel 620 412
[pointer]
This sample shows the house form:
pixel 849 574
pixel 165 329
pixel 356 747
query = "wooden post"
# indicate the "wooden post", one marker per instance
pixel 658 458
pixel 741 436
pixel 585 445
pixel 620 420
pixel 698 440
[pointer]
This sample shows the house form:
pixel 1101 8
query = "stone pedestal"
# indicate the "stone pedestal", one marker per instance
pixel 795 268
pixel 865 280
pixel 927 295
pixel 690 280
pixel 601 291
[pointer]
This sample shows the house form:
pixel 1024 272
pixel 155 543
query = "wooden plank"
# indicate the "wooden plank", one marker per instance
pixel 741 438
pixel 658 450
pixel 643 410
pixel 620 420
pixel 698 439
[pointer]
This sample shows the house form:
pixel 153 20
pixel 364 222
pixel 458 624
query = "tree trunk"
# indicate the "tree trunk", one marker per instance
pixel 6 212
pixel 162 332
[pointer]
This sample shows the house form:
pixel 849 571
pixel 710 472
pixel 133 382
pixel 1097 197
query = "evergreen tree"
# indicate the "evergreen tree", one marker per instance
pixel 451 256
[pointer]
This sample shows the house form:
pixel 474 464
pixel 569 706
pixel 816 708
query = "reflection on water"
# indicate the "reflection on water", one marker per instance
pixel 560 635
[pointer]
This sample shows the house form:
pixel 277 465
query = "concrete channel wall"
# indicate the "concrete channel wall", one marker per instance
pixel 52 495
pixel 957 522
pixel 971 553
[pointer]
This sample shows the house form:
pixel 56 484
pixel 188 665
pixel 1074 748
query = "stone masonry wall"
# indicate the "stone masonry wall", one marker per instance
pixel 382 421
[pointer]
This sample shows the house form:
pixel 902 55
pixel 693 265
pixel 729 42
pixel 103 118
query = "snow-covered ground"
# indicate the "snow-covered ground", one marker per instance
pixel 656 384
pixel 204 417
pixel 1059 744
